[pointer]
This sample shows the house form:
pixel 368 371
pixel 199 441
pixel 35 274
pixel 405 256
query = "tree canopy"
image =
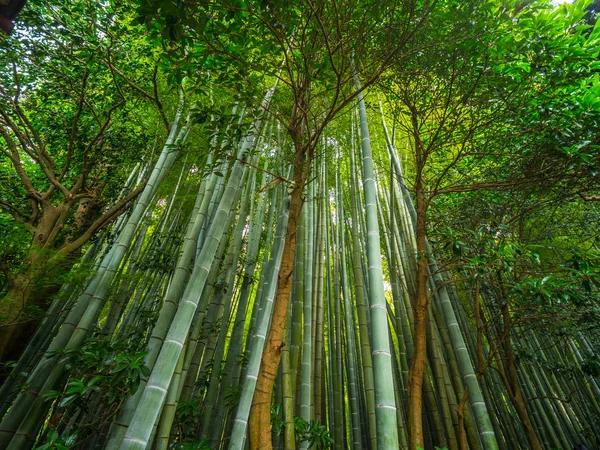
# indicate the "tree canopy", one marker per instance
pixel 311 224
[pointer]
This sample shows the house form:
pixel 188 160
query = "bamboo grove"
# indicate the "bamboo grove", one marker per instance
pixel 371 227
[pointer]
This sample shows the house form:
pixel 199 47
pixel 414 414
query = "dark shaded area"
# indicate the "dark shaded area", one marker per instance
pixel 8 12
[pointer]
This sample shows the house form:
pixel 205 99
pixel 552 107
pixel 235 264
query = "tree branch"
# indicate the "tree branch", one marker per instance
pixel 75 126
pixel 102 221
pixel 16 160
pixel 17 214
pixel 593 198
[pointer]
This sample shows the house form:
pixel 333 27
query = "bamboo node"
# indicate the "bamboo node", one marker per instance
pixel 153 386
pixel 141 441
pixel 179 344
pixel 383 405
pixel 377 306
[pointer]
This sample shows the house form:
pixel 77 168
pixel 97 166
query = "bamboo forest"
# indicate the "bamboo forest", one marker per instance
pixel 300 224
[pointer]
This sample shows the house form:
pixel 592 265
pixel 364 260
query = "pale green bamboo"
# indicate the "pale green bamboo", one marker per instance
pixel 350 338
pixel 318 279
pixel 297 300
pixel 306 388
pixel 31 404
pixel 152 399
pixel 140 300
pixel 174 292
pixel 476 400
pixel 456 378
pixel 338 366
pixel 387 432
pixel 226 290
pixel 362 311
pixel 289 435
pixel 396 320
pixel 266 255
pixel 168 412
pixel 232 361
pixel 238 433
pixel 206 312
pixel 119 302
pixel 398 291
pixel 234 353
pixel 330 329
pixel 204 316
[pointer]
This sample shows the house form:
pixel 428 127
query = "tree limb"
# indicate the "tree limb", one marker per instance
pixel 17 214
pixel 102 221
pixel 75 126
pixel 593 198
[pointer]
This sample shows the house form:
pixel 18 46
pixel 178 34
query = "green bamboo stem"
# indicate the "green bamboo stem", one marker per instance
pixel 226 290
pixel 387 433
pixel 231 367
pixel 318 278
pixel 31 404
pixel 330 329
pixel 306 389
pixel 338 366
pixel 152 399
pixel 297 301
pixel 289 435
pixel 238 433
pixel 362 312
pixel 266 254
pixel 350 337
pixel 168 412
pixel 174 292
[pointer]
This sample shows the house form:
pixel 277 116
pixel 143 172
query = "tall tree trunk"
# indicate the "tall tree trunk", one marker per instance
pixel 260 414
pixel 14 323
pixel 30 290
pixel 417 368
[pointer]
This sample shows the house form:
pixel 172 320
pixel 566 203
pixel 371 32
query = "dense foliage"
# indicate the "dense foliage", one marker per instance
pixel 313 224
